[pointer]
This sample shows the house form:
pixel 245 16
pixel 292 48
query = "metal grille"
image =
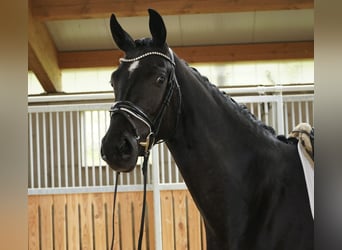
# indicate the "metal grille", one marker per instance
pixel 64 145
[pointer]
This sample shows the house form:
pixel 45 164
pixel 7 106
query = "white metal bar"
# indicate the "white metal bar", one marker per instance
pixel 255 99
pixel 38 150
pixel 120 177
pixel 84 148
pixel 264 89
pixel 99 146
pixel 169 165
pixel 79 148
pixel 140 159
pixel 293 116
pixel 298 98
pixel 150 174
pixel 266 113
pixel 259 111
pixel 161 163
pixel 102 189
pixel 109 96
pixel 72 97
pixel 300 112
pixel 69 107
pixel 91 189
pixel 170 171
pixel 274 115
pixel 177 175
pixel 134 176
pixel 31 151
pixel 58 151
pixel 113 176
pixel 280 115
pixel 307 119
pixel 128 179
pixel 106 106
pixel 251 108
pixel 72 150
pixel 107 167
pixel 44 151
pixel 92 148
pixel 66 176
pixel 286 120
pixel 52 161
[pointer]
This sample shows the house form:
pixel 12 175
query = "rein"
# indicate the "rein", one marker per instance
pixel 129 110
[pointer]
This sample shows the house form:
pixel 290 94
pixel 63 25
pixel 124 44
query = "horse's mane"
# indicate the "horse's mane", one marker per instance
pixel 228 99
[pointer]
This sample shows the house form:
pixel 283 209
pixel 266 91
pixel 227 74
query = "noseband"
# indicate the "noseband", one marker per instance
pixel 129 110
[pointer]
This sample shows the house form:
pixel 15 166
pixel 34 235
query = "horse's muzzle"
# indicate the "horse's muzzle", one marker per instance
pixel 120 153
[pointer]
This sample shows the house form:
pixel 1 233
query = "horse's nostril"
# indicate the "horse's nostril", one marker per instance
pixel 125 148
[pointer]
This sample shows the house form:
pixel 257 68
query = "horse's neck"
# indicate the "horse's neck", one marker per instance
pixel 212 125
pixel 211 147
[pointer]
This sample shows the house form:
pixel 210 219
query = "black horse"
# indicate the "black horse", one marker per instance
pixel 248 186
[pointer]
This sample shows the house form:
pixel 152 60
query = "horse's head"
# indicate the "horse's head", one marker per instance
pixel 146 95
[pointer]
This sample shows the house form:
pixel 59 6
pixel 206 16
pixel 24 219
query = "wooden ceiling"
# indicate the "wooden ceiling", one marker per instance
pixel 46 61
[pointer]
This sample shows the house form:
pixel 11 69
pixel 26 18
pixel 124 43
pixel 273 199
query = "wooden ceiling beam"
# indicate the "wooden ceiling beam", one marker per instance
pixel 43 56
pixel 44 10
pixel 198 54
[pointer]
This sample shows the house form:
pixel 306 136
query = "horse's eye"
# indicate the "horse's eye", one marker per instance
pixel 161 79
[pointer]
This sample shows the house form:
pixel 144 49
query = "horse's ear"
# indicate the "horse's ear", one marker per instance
pixel 122 39
pixel 157 28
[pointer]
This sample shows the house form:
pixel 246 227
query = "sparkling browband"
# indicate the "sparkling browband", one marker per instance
pixel 149 54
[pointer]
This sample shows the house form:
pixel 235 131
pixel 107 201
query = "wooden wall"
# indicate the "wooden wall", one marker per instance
pixel 84 221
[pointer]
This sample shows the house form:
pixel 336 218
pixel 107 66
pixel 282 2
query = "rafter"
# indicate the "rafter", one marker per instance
pixel 78 9
pixel 198 54
pixel 42 56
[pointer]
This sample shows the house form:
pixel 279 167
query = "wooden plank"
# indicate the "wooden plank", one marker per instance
pixel 59 202
pixel 46 217
pixel 108 197
pixel 99 221
pixel 125 201
pixel 136 199
pixel 194 224
pixel 33 222
pixel 42 56
pixel 150 221
pixel 87 59
pixel 137 203
pixel 73 221
pixel 181 227
pixel 247 52
pixel 86 222
pixel 77 9
pixel 167 220
pixel 198 54
pixel 178 232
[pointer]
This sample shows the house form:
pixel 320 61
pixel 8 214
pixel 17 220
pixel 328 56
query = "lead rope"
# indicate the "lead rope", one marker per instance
pixel 142 222
pixel 114 202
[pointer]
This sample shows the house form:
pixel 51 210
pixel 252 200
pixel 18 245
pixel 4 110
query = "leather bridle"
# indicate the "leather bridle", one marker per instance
pixel 129 109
